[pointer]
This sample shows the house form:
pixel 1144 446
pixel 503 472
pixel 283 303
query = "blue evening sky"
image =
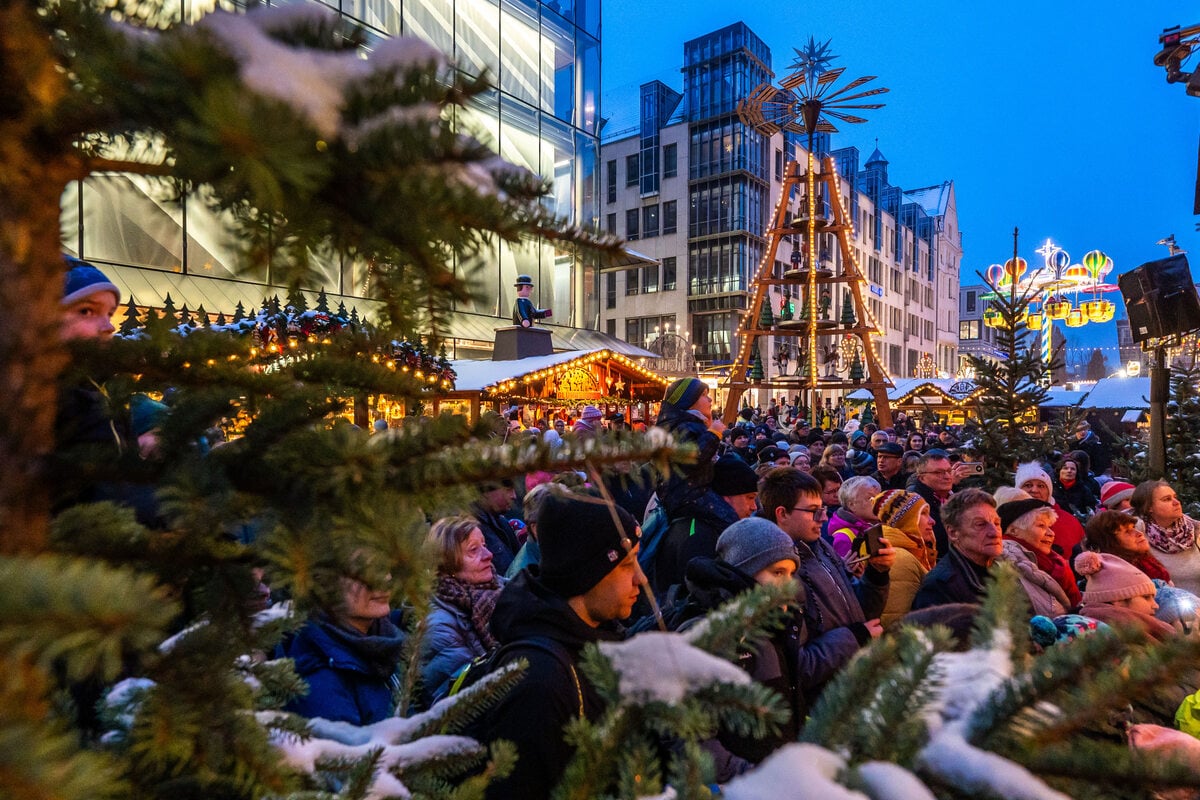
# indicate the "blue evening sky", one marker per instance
pixel 1048 116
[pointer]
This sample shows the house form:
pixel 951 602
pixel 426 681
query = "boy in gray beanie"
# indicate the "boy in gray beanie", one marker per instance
pixel 755 545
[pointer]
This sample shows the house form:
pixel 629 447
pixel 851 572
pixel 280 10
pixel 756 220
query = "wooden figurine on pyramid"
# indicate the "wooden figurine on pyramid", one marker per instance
pixel 525 313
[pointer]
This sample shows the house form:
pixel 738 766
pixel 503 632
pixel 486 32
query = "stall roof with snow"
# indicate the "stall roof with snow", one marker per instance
pixel 1119 393
pixel 597 376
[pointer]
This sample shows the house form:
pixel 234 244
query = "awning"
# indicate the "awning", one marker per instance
pixel 510 379
pixel 628 258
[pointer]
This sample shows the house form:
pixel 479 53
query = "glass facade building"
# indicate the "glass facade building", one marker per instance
pixel 543 56
pixel 730 190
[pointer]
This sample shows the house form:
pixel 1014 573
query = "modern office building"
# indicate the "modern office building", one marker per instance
pixel 544 114
pixel 693 188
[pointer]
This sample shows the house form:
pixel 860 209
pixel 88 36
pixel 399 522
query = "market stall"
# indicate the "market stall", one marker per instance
pixel 556 385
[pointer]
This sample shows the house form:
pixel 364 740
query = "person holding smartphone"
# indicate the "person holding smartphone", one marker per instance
pixel 908 527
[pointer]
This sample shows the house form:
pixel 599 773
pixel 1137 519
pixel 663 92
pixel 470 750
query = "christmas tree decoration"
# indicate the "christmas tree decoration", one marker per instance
pixel 757 372
pixel 1003 424
pixel 856 368
pixel 766 319
pixel 848 320
pixel 132 320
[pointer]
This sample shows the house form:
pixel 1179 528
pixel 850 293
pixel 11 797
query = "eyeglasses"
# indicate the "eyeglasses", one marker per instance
pixel 937 472
pixel 817 512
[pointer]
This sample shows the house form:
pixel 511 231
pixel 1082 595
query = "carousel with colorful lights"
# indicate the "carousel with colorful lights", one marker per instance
pixel 824 334
pixel 1058 291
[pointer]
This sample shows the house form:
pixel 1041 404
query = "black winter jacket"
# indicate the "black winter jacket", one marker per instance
pixel 688 489
pixel 954 579
pixel 551 693
pixel 687 538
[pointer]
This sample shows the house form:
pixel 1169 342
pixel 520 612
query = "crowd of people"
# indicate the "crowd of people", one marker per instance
pixel 874 527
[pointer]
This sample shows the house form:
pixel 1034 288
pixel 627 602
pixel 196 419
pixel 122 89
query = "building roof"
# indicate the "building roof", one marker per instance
pixel 1119 393
pixel 934 199
pixel 876 158
pixel 477 375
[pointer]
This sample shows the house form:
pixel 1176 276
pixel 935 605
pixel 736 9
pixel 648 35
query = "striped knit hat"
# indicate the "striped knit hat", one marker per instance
pixel 683 393
pixel 899 509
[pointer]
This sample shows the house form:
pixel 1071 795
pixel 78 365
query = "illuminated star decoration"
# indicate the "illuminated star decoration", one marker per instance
pixel 814 58
pixel 804 101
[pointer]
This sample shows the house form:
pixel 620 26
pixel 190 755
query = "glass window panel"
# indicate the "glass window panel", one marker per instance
pixel 588 52
pixel 383 15
pixel 213 249
pixel 477 29
pixel 431 20
pixel 519 259
pixel 559 166
pixel 520 51
pixel 587 16
pixel 519 141
pixel 587 168
pixel 558 71
pixel 566 300
pixel 481 118
pixel 128 220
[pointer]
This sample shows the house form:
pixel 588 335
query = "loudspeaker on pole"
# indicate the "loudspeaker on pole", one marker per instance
pixel 1160 299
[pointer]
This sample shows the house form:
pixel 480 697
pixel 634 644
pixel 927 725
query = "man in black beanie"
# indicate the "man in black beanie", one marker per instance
pixel 587 580
pixel 695 535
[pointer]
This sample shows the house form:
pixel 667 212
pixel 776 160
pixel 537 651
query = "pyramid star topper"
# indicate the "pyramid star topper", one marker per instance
pixel 805 101
pixel 813 58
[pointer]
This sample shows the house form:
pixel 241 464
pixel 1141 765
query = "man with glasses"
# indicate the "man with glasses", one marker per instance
pixel 889 463
pixel 841 613
pixel 975 544
pixel 934 480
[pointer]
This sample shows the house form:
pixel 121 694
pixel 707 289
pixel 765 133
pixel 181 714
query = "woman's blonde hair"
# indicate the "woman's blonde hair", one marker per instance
pixel 444 542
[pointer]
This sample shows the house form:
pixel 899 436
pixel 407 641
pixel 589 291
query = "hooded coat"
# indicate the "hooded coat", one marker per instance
pixel 553 691
pixel 351 676
pixel 688 491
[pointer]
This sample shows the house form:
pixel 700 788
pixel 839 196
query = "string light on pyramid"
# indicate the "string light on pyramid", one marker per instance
pixel 808 101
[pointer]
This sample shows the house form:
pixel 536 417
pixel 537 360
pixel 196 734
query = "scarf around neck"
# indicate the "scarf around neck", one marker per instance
pixel 1176 537
pixel 478 600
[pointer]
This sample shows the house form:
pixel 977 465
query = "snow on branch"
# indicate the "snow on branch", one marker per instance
pixel 794 772
pixel 312 82
pixel 664 667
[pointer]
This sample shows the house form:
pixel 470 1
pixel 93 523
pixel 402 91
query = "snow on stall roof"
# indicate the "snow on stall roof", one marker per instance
pixel 664 667
pixel 1122 393
pixel 1063 398
pixel 794 772
pixel 476 375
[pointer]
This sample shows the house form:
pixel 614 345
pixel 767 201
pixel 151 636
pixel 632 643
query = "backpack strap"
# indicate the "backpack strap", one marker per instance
pixel 556 649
